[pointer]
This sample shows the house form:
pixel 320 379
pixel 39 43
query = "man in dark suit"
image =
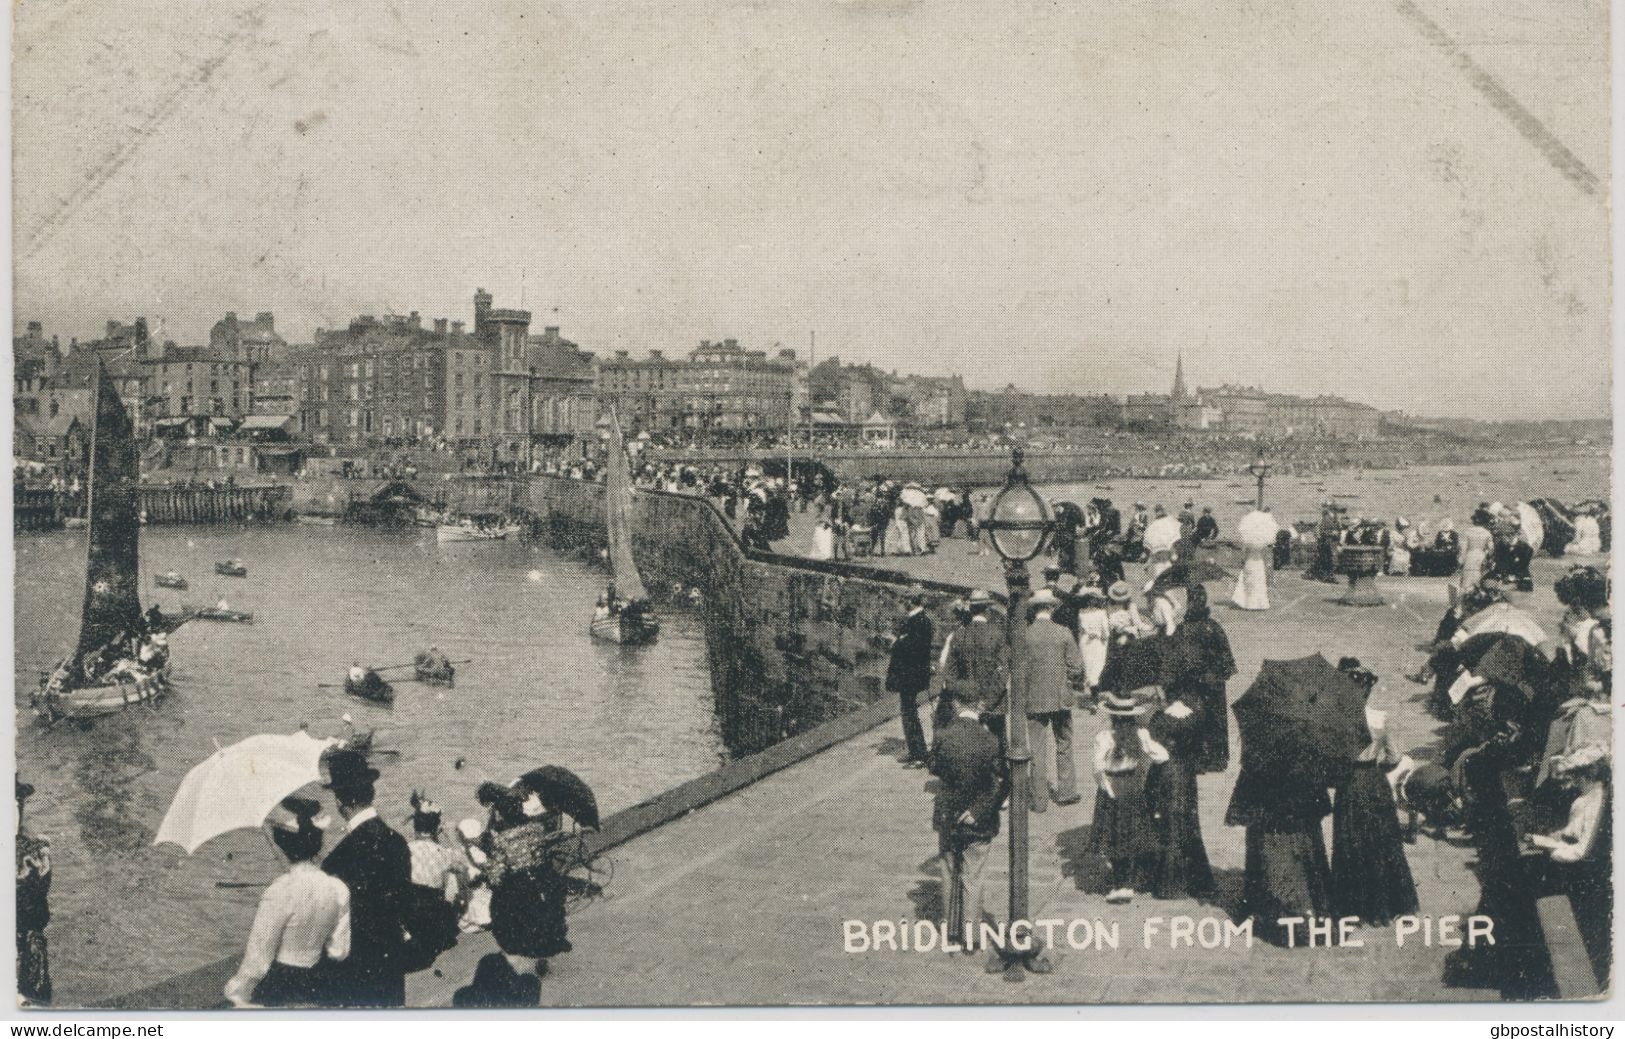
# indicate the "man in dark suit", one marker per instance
pixel 1054 673
pixel 967 760
pixel 978 662
pixel 374 863
pixel 909 674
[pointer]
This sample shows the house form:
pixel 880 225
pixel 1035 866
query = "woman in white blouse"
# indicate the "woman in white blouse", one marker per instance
pixel 303 921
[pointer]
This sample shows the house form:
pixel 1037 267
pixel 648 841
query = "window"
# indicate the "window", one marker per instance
pixel 459 400
pixel 459 424
pixel 476 425
pixel 459 357
pixel 321 416
pixel 457 379
pixel 477 378
pixel 479 401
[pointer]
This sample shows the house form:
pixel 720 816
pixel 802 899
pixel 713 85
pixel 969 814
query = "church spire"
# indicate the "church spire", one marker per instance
pixel 1179 376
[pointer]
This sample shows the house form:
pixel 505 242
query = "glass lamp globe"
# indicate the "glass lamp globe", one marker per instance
pixel 1021 521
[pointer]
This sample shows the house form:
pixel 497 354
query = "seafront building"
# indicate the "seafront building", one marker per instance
pixel 720 386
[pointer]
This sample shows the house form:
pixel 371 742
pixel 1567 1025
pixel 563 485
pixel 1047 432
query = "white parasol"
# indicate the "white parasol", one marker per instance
pixel 913 496
pixel 1257 529
pixel 1500 617
pixel 237 787
pixel 1162 534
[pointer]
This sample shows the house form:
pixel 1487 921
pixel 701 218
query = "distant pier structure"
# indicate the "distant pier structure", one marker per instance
pixel 163 504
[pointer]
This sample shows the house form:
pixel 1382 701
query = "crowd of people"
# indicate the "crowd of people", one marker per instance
pixel 347 929
pixel 1523 770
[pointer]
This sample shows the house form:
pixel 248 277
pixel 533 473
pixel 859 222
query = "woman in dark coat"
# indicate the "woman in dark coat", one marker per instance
pixel 1182 867
pixel 1287 873
pixel 1199 665
pixel 1370 877
pixel 527 891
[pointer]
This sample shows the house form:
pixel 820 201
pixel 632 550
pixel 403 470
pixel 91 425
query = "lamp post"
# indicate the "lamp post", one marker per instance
pixel 1260 469
pixel 1019 524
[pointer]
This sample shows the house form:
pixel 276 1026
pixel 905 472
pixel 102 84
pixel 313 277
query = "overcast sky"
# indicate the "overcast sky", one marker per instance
pixel 1401 203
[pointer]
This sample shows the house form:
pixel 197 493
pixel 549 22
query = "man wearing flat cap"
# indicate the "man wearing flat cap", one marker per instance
pixel 376 865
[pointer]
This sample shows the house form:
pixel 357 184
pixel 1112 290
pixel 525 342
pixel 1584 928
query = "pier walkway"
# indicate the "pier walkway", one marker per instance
pixel 743 901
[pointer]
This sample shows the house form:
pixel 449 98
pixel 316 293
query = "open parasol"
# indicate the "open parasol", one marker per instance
pixel 236 788
pixel 1302 722
pixel 1162 534
pixel 564 791
pixel 1185 572
pixel 913 496
pixel 1500 617
pixel 1257 529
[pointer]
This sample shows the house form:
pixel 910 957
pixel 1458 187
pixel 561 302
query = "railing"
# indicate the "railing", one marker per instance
pixel 214 504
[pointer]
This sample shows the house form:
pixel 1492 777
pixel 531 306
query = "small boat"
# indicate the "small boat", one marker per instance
pixel 106 698
pixel 311 519
pixel 76 522
pixel 231 568
pixel 215 613
pixel 370 688
pixel 475 526
pixel 623 615
pixel 1246 501
pixel 626 627
pixel 170 579
pixel 432 670
pixel 427 517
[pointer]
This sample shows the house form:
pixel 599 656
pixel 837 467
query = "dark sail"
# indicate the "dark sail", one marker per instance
pixel 113 571
pixel 618 516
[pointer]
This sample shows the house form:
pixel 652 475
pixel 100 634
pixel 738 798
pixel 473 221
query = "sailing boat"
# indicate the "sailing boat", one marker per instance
pixel 623 615
pixel 99 677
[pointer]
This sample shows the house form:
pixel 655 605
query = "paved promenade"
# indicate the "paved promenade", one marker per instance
pixel 743 901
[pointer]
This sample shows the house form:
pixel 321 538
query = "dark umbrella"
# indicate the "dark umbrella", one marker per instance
pixel 1136 665
pixel 563 790
pixel 1186 572
pixel 1302 723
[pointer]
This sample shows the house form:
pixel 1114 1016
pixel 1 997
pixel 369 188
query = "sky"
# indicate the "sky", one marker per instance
pixel 1400 202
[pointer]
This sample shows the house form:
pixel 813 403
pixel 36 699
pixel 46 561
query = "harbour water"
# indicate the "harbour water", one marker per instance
pixel 632 722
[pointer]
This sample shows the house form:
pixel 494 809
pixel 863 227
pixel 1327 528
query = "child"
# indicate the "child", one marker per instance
pixel 1123 829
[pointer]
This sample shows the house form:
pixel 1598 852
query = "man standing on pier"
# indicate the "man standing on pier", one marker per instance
pixel 978 661
pixel 1054 670
pixel 969 762
pixel 909 674
pixel 376 865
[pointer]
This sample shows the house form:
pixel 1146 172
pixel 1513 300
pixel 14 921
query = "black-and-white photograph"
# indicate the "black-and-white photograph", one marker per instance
pixel 811 504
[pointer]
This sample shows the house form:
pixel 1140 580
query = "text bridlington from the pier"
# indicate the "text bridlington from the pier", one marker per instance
pixel 1174 932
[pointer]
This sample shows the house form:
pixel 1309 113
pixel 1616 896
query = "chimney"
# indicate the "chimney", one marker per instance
pixel 440 326
pixel 657 355
pixel 550 333
pixel 705 344
pixel 415 320
pixel 112 327
pixel 482 307
pixel 35 328
pixel 456 328
pixel 620 355
pixel 732 344
pixel 266 318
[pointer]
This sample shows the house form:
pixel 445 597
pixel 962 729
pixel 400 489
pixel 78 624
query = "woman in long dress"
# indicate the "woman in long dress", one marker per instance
pixel 1201 663
pixel 1287 873
pixel 1399 549
pixel 527 892
pixel 1475 550
pixel 1258 530
pixel 823 541
pixel 898 542
pixel 1094 636
pixel 1182 868
pixel 1370 877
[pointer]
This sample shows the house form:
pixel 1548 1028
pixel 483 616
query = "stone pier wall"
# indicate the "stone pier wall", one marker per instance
pixel 792 643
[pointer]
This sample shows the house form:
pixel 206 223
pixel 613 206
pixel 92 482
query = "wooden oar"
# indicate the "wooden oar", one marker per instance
pixel 240 883
pixel 397 667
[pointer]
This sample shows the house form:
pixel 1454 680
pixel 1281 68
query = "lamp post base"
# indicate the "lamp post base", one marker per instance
pixel 1015 964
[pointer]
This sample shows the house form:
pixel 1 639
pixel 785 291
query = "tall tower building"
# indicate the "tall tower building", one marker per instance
pixel 1179 376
